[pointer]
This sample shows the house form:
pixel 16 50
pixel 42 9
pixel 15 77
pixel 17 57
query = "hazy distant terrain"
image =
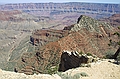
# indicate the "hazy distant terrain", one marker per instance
pixel 51 9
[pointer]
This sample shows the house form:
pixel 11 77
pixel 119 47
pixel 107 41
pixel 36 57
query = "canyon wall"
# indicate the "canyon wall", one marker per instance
pixel 48 9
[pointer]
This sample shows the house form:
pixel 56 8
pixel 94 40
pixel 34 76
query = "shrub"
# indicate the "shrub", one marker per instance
pixel 65 76
pixel 119 27
pixel 68 76
pixel 116 33
pixel 109 54
pixel 83 74
pixel 52 70
pixel 89 54
pixel 85 65
pixel 81 53
pixel 77 76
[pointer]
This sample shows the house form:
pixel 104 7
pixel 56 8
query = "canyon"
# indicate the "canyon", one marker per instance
pixel 87 36
pixel 34 35
pixel 51 9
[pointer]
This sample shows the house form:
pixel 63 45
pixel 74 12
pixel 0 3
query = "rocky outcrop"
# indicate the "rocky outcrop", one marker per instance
pixel 71 60
pixel 91 25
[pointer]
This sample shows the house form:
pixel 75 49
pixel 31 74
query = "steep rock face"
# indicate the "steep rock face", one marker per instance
pixel 88 36
pixel 71 60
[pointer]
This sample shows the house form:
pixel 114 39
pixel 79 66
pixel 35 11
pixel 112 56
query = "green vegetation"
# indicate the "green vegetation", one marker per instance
pixel 117 33
pixel 81 53
pixel 68 76
pixel 119 27
pixel 109 54
pixel 65 76
pixel 52 70
pixel 89 54
pixel 83 74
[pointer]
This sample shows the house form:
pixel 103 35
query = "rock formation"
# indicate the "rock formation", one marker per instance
pixel 71 60
pixel 87 36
